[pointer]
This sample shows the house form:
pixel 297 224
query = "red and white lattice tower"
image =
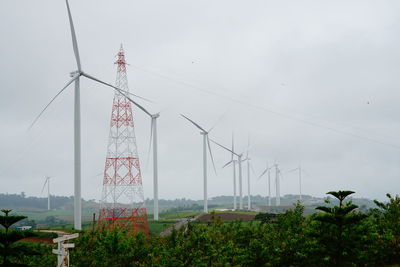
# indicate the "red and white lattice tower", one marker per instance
pixel 122 202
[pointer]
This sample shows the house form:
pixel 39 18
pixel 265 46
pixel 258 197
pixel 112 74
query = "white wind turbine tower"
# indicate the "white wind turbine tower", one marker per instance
pixel 153 142
pixel 249 166
pixel 268 170
pixel 206 143
pixel 299 169
pixel 278 186
pixel 239 160
pixel 233 161
pixel 47 181
pixel 77 120
pixel 155 163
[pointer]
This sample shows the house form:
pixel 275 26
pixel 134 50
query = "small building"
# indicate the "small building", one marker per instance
pixel 24 228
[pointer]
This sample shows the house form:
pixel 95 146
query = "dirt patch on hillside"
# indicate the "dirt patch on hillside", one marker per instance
pixel 226 217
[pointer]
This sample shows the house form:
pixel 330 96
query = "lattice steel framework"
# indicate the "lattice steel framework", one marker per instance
pixel 122 203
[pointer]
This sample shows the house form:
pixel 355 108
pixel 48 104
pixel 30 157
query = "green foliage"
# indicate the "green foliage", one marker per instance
pixel 336 230
pixel 8 245
pixel 387 223
pixel 6 221
pixel 337 236
pixel 266 217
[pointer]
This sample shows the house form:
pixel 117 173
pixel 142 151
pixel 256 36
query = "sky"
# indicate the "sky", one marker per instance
pixel 312 83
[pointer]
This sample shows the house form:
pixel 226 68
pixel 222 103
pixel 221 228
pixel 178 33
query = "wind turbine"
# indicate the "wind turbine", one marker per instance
pixel 278 186
pixel 77 120
pixel 239 160
pixel 153 141
pixel 300 171
pixel 268 170
pixel 206 142
pixel 233 161
pixel 249 166
pixel 47 181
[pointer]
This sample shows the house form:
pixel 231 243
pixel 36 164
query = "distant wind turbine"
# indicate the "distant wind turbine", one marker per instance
pixel 278 186
pixel 268 170
pixel 249 167
pixel 239 160
pixel 77 120
pixel 47 181
pixel 300 170
pixel 233 162
pixel 206 143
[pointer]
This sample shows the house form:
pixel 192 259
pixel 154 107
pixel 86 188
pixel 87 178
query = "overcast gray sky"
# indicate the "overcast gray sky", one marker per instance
pixel 312 82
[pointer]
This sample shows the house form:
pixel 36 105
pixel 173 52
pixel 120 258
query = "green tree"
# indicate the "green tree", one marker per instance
pixel 8 239
pixel 388 228
pixel 335 234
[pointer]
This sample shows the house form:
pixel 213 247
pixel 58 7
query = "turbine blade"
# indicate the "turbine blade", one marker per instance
pixel 195 124
pixel 227 164
pixel 262 174
pixel 122 92
pixel 227 149
pixel 218 120
pixel 233 147
pixel 44 185
pixel 73 35
pixel 143 98
pixel 51 101
pixel 211 155
pixel 292 170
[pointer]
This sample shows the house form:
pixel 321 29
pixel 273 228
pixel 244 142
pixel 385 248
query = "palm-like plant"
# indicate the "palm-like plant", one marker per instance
pixel 8 239
pixel 339 218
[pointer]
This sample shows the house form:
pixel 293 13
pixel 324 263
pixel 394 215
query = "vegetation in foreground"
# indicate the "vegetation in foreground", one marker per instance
pixel 338 235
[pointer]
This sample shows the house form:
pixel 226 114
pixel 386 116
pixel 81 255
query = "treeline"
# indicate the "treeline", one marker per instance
pixel 338 235
pixel 226 200
pixel 286 200
pixel 16 201
pixel 21 201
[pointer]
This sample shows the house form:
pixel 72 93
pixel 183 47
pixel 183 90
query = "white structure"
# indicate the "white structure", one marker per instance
pixel 47 181
pixel 155 163
pixel 239 160
pixel 249 166
pixel 240 182
pixel 206 143
pixel 24 228
pixel 268 170
pixel 233 161
pixel 299 172
pixel 62 249
pixel 278 186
